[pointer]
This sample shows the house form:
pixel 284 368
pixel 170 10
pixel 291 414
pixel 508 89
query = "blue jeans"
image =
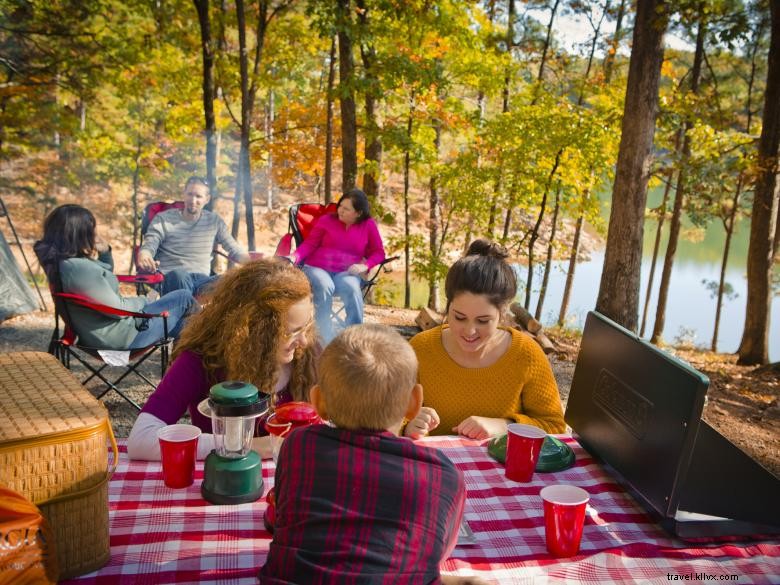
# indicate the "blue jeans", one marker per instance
pixel 194 282
pixel 324 285
pixel 177 303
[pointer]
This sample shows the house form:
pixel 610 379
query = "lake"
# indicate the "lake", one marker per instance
pixel 690 313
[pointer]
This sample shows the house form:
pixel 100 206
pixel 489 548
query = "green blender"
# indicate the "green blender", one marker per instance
pixel 233 472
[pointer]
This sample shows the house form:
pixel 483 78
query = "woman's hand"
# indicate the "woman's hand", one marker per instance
pixel 262 445
pixel 426 420
pixel 101 245
pixel 357 269
pixel 481 427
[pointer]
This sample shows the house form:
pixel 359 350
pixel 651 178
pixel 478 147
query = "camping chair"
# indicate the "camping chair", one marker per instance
pixel 148 280
pixel 301 219
pixel 154 280
pixel 67 345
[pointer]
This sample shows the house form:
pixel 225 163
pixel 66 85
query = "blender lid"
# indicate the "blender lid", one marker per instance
pixel 234 398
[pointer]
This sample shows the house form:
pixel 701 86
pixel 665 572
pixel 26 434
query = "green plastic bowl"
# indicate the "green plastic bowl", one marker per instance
pixel 555 455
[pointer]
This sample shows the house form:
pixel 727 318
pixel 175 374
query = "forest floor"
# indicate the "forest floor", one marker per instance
pixel 742 401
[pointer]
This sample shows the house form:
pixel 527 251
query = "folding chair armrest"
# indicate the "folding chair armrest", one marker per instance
pixel 94 305
pixel 151 278
pixel 387 261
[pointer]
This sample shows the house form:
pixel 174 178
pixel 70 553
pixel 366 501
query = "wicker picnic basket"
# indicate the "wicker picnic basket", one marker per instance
pixel 53 450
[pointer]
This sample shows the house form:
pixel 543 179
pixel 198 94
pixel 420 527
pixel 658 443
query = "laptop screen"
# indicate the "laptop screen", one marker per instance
pixel 637 409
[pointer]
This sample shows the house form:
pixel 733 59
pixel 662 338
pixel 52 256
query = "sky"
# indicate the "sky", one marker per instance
pixel 572 30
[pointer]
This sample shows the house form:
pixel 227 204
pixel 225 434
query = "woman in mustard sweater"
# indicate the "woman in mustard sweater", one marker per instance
pixel 477 375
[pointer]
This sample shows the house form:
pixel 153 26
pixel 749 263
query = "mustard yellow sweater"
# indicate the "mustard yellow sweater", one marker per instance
pixel 520 386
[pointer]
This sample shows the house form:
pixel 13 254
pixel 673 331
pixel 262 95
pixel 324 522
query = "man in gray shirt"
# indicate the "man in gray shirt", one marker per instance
pixel 179 242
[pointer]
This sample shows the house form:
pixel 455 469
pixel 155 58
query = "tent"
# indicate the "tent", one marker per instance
pixel 16 297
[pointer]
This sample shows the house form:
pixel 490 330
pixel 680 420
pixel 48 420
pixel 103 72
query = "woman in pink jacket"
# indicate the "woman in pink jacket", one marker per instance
pixel 340 248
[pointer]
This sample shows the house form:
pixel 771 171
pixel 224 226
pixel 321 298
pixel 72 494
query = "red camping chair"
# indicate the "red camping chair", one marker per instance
pixel 302 217
pixel 146 280
pixel 67 345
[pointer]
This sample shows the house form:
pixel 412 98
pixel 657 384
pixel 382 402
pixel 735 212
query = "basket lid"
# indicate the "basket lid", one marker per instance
pixel 39 396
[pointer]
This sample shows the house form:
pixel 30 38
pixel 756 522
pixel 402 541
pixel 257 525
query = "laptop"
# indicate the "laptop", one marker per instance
pixel 637 409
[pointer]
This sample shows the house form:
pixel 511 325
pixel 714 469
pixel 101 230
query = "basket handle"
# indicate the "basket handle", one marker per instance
pixel 97 486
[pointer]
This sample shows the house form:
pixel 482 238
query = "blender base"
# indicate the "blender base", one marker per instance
pixel 232 481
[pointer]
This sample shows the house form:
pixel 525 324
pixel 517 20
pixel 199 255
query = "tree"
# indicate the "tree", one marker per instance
pixel 618 296
pixel 344 26
pixel 754 347
pixel 210 125
pixel 682 184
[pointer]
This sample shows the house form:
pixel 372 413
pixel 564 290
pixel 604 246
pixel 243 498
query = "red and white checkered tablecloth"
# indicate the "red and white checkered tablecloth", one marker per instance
pixel 160 535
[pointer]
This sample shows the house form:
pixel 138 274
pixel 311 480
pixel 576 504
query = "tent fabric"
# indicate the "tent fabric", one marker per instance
pixel 16 297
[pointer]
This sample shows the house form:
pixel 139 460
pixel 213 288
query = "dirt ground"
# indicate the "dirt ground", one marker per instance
pixel 742 401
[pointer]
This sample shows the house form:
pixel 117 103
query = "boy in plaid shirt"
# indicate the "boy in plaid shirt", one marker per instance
pixel 356 504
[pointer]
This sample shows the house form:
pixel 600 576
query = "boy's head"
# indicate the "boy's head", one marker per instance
pixel 367 379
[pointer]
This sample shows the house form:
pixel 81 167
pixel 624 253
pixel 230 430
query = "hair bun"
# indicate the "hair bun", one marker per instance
pixel 484 247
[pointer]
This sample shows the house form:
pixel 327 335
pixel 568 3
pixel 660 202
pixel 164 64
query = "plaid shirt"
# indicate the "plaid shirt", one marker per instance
pixel 361 507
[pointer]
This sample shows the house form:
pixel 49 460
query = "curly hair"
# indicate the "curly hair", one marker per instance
pixel 238 332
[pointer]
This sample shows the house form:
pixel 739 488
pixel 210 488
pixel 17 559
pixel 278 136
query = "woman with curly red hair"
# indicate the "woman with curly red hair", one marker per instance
pixel 256 326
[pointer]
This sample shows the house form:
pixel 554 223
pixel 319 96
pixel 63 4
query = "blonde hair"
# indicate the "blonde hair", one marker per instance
pixel 243 321
pixel 366 376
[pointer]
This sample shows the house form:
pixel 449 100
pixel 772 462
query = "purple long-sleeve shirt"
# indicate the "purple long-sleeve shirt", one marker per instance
pixel 334 246
pixel 184 386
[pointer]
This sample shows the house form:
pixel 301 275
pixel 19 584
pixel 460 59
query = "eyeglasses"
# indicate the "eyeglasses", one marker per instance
pixel 303 332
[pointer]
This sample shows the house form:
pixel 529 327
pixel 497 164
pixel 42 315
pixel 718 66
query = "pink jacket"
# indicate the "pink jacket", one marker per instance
pixel 334 246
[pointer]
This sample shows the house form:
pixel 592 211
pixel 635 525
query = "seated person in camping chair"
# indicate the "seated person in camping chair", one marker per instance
pixel 179 242
pixel 341 247
pixel 69 254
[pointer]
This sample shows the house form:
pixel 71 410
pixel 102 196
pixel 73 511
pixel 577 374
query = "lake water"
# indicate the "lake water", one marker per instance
pixel 690 313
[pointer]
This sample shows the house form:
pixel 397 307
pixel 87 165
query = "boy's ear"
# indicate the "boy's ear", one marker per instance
pixel 415 402
pixel 318 400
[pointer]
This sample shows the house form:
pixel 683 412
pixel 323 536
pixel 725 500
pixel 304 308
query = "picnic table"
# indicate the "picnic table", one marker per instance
pixel 162 535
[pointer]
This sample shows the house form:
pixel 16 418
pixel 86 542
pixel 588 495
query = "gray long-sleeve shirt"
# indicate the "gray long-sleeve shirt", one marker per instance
pixel 177 243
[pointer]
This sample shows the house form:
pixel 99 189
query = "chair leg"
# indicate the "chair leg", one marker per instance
pixel 109 384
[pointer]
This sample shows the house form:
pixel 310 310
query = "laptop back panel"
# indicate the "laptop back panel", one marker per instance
pixel 724 481
pixel 638 409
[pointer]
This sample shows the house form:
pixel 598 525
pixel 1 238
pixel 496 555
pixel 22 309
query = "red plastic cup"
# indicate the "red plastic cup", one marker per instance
pixel 178 450
pixel 523 445
pixel 564 517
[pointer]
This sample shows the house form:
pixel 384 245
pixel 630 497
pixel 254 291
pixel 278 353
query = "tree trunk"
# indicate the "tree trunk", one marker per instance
pixel 270 115
pixel 679 198
pixel 584 197
pixel 656 247
pixel 535 231
pixel 547 40
pixel 329 124
pixel 407 223
pixel 373 139
pixel 550 251
pixel 609 60
pixel 728 225
pixel 754 347
pixel 575 250
pixel 136 211
pixel 510 40
pixel 237 194
pixel 347 99
pixel 510 205
pixel 618 296
pixel 434 218
pixel 202 7
pixel 730 221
